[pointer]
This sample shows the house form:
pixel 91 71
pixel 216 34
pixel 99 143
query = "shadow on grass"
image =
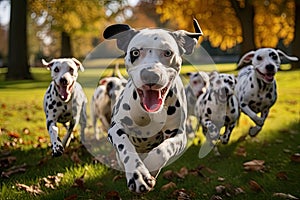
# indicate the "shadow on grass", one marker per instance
pixel 100 182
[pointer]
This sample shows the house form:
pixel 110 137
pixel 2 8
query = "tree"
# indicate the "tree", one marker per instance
pixel 251 23
pixel 296 43
pixel 72 19
pixel 18 67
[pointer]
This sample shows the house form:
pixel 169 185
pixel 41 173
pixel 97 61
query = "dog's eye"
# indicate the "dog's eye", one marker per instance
pixel 71 70
pixel 168 53
pixel 274 57
pixel 259 58
pixel 56 69
pixel 135 53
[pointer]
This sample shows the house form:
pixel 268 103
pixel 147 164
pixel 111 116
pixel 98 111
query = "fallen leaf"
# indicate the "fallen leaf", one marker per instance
pixel 216 197
pixel 182 194
pixel 112 195
pixel 282 176
pixel 254 165
pixel 26 131
pixel 79 182
pixel 168 186
pixel 13 170
pixel 241 151
pixel 33 189
pixel 220 189
pixel 72 197
pixel 118 177
pixel 52 181
pixel 182 172
pixel 295 157
pixel 221 179
pixel 238 190
pixel 169 174
pixel 285 196
pixel 14 134
pixel 7 161
pixel 255 186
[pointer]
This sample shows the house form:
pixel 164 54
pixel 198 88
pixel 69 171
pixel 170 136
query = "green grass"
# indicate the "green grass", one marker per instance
pixel 21 109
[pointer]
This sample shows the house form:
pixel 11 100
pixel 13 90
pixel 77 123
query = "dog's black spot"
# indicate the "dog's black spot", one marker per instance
pixel 126 120
pixel 269 96
pixel 126 159
pixel 59 104
pixel 120 132
pixel 158 151
pixel 233 111
pixel 208 110
pixel 131 184
pixel 120 147
pixel 177 104
pixel 50 106
pixel 126 106
pixel 142 188
pixel 134 95
pixel 243 104
pixel 48 124
pixel 171 110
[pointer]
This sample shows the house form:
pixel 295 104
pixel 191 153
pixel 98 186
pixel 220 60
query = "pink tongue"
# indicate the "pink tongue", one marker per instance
pixel 63 93
pixel 269 77
pixel 152 100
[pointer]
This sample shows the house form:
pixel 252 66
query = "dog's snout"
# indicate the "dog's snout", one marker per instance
pixel 63 81
pixel 270 67
pixel 149 76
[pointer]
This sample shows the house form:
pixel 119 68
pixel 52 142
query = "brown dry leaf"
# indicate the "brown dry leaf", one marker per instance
pixel 254 165
pixel 7 161
pixel 216 197
pixel 182 173
pixel 169 174
pixel 14 134
pixel 118 177
pixel 238 190
pixel 33 189
pixel 72 197
pixel 79 182
pixel 53 181
pixel 220 189
pixel 285 196
pixel 282 175
pixel 182 194
pixel 75 158
pixel 14 170
pixel 255 186
pixel 241 151
pixel 221 179
pixel 169 185
pixel 295 157
pixel 112 195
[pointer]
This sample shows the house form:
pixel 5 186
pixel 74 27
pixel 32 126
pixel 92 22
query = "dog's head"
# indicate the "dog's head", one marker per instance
pixel 114 87
pixel 153 59
pixel 199 82
pixel 266 62
pixel 64 73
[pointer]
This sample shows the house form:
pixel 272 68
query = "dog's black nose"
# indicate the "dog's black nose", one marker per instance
pixel 149 77
pixel 63 81
pixel 270 67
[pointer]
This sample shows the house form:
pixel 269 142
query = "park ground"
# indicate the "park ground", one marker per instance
pixel 29 172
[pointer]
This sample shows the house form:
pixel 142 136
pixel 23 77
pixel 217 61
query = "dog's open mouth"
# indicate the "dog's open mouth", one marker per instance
pixel 152 99
pixel 268 77
pixel 65 91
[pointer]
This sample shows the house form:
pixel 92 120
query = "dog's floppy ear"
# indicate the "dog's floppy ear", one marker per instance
pixel 282 54
pixel 246 59
pixel 187 40
pixel 78 64
pixel 122 33
pixel 48 65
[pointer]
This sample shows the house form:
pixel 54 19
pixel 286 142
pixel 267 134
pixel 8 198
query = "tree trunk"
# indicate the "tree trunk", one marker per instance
pixel 246 16
pixel 18 68
pixel 66 48
pixel 296 42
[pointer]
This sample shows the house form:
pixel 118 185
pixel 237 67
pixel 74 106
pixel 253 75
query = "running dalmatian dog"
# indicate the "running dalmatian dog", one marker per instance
pixel 64 101
pixel 148 123
pixel 103 100
pixel 256 85
pixel 218 107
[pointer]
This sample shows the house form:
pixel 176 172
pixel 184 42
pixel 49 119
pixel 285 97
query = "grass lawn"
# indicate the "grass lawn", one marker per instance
pixel 29 172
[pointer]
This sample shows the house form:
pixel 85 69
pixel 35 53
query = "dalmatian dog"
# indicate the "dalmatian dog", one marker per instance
pixel 217 108
pixel 148 121
pixel 198 84
pixel 64 101
pixel 103 100
pixel 256 85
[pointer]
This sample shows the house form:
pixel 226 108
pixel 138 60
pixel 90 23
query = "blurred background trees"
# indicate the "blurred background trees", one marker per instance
pixel 73 28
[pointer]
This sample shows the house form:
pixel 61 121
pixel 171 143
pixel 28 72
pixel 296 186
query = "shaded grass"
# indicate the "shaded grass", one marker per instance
pixel 21 108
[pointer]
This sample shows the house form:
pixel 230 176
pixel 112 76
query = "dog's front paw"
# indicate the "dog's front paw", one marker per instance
pixel 224 139
pixel 259 121
pixel 140 182
pixel 57 149
pixel 213 132
pixel 254 130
